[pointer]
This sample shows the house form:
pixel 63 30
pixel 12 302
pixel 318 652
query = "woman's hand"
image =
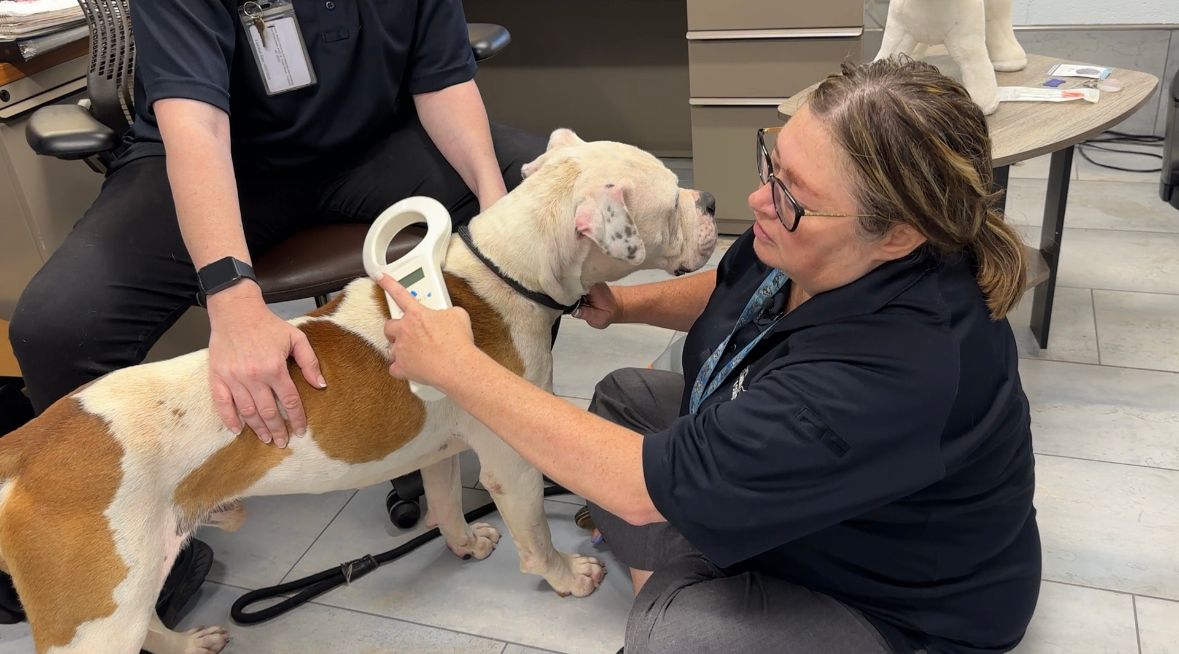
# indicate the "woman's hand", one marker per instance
pixel 426 344
pixel 600 307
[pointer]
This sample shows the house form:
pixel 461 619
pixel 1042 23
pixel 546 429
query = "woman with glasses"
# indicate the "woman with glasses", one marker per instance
pixel 846 463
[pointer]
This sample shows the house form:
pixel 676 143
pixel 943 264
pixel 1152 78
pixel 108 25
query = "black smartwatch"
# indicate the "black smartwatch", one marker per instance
pixel 220 275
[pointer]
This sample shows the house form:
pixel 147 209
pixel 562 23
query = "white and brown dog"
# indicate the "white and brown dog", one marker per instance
pixel 98 494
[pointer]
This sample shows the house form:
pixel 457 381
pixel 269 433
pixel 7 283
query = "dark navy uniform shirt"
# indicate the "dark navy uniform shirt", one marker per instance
pixel 875 447
pixel 370 57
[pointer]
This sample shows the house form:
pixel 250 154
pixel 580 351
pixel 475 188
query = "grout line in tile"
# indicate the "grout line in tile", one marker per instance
pixel 413 622
pixel 505 648
pixel 1108 590
pixel 317 537
pixel 581 501
pixel 1113 463
pixel 1137 631
pixel 670 339
pixel 421 624
pixel 1101 365
pixel 386 617
pixel 1115 231
pixel 1120 290
pixel 1114 290
pixel 1096 332
pixel 572 397
pixel 1151 182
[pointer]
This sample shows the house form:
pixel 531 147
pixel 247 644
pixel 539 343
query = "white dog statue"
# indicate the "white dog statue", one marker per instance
pixel 977 34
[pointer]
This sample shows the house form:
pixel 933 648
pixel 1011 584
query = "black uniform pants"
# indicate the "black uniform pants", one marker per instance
pixel 690 605
pixel 123 276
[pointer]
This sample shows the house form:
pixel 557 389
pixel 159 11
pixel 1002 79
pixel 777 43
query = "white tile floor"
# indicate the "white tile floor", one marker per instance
pixel 1105 403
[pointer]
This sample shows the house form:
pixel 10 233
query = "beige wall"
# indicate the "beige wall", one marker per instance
pixel 611 69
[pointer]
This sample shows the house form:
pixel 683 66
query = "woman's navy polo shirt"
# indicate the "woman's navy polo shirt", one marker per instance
pixel 874 447
pixel 370 57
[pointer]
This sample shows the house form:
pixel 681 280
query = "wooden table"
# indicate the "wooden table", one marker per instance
pixel 13 71
pixel 1022 130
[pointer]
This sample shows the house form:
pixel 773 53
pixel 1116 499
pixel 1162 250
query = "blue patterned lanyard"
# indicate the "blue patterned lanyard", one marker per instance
pixel 709 378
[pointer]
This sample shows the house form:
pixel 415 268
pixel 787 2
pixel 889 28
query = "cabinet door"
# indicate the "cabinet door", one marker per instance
pixel 759 68
pixel 773 14
pixel 723 156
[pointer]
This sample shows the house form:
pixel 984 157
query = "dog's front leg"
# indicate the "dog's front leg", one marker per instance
pixel 518 491
pixel 444 499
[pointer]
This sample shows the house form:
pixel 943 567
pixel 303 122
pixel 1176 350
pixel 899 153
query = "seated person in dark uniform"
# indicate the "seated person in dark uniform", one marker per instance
pixel 845 465
pixel 382 106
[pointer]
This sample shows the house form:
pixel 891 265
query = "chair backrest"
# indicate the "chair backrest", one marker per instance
pixel 110 81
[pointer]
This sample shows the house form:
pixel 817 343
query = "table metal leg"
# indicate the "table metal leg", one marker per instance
pixel 1050 236
pixel 1001 175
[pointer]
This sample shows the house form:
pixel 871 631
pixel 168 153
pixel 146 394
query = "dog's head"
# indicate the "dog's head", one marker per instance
pixel 624 208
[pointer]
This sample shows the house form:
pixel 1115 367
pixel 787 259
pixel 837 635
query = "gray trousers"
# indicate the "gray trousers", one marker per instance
pixel 690 605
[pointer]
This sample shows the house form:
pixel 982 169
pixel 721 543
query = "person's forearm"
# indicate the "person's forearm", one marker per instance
pixel 673 304
pixel 200 172
pixel 456 121
pixel 586 454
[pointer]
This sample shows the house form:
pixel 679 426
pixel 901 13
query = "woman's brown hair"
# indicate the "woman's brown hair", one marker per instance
pixel 919 147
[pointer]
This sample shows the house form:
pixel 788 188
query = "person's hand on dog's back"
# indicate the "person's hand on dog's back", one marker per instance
pixel 600 307
pixel 248 351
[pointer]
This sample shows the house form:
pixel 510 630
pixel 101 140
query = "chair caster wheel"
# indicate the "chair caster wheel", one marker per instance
pixel 582 519
pixel 404 514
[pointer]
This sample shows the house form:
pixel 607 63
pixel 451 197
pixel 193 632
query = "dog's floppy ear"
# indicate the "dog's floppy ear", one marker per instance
pixel 602 217
pixel 563 137
pixel 559 139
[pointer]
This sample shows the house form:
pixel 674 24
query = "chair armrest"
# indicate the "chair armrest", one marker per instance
pixel 68 131
pixel 487 39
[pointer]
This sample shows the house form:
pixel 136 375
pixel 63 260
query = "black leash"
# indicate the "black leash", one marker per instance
pixel 313 586
pixel 464 233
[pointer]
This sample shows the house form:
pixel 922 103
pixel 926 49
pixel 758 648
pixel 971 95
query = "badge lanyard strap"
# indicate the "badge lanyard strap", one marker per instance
pixel 709 378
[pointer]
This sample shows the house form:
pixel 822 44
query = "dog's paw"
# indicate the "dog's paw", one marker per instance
pixel 585 574
pixel 204 640
pixel 481 541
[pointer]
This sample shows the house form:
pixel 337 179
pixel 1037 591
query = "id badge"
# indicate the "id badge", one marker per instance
pixel 277 44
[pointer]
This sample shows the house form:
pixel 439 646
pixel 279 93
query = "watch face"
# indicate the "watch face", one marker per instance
pixel 222 273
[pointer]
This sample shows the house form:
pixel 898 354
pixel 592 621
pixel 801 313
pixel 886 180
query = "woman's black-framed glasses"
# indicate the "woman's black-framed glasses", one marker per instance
pixel 789 210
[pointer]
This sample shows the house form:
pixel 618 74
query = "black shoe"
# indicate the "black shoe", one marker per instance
pixel 15 408
pixel 185 579
pixel 583 519
pixel 11 611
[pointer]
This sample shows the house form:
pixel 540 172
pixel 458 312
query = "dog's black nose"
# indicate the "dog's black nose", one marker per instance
pixel 707 203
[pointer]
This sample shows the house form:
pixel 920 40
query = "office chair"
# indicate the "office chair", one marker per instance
pixel 1169 187
pixel 311 263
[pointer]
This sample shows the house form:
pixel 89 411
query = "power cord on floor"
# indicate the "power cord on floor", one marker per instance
pixel 312 586
pixel 1122 138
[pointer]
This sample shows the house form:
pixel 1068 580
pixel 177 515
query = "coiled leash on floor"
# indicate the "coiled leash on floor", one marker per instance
pixel 313 586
